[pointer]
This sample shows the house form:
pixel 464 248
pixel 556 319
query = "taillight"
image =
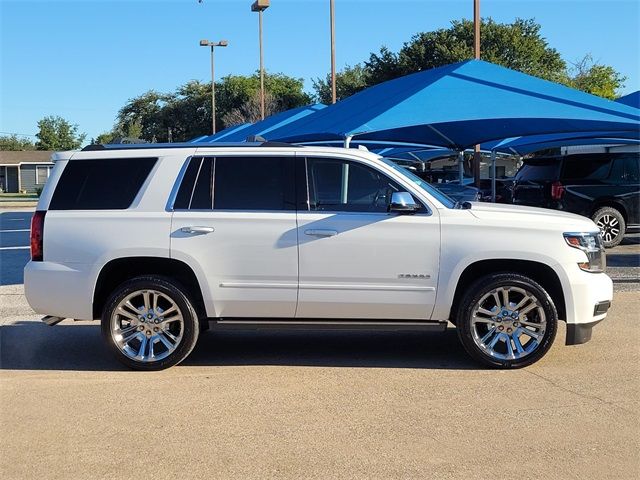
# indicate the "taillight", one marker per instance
pixel 557 190
pixel 37 235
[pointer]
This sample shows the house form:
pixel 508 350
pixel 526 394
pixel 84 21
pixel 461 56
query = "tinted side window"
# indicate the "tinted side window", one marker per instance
pixel 100 184
pixel 183 197
pixel 254 183
pixel 337 185
pixel 586 167
pixel 632 168
pixel 539 169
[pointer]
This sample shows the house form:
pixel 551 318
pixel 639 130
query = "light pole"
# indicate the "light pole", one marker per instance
pixel 332 14
pixel 260 6
pixel 207 43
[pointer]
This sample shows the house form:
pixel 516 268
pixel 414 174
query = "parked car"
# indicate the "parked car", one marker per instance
pixel 602 186
pixel 159 241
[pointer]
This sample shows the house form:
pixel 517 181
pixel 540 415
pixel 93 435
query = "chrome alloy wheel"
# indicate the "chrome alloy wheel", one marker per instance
pixel 147 326
pixel 609 226
pixel 508 323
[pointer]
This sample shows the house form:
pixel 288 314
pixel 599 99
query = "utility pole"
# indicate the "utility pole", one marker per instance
pixel 332 14
pixel 476 52
pixel 260 6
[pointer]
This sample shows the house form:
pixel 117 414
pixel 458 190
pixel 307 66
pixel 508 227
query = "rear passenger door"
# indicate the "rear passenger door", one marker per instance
pixel 234 222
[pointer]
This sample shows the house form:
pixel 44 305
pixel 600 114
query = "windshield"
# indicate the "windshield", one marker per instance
pixel 434 192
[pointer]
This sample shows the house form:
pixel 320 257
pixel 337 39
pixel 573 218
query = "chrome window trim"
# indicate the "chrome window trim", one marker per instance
pixel 176 185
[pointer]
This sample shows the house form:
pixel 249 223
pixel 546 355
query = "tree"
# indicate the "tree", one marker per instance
pixel 13 142
pixel 187 110
pixel 250 111
pixel 55 133
pixel 595 78
pixel 349 81
pixel 518 45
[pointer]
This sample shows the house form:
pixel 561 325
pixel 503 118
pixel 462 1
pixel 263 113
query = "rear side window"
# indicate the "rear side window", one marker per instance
pixel 539 169
pixel 586 167
pixel 238 183
pixel 103 184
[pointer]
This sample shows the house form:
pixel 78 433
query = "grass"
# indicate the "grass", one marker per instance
pixel 7 197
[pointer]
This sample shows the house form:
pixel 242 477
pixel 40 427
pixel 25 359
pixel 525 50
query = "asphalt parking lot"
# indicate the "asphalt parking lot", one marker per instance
pixel 313 405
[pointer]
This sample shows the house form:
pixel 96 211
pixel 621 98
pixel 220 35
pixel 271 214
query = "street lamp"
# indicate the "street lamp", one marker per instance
pixel 207 43
pixel 260 6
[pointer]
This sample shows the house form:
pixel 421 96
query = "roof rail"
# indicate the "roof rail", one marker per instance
pixel 148 146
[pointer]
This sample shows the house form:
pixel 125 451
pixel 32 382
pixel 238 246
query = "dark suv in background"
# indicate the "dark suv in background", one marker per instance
pixel 602 186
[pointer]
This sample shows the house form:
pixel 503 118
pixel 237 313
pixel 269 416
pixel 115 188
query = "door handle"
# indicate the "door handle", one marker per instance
pixel 321 233
pixel 196 230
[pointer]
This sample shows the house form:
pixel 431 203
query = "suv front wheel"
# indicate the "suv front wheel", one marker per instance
pixel 612 225
pixel 149 323
pixel 506 320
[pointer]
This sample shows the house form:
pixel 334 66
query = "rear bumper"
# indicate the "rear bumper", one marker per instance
pixel 59 290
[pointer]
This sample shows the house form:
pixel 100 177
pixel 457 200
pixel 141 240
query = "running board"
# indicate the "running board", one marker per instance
pixel 320 324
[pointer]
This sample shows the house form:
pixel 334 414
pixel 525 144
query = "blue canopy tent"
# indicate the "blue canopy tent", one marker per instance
pixel 263 127
pixel 221 134
pixel 633 99
pixel 460 105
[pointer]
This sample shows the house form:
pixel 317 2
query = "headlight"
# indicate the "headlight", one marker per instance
pixel 591 244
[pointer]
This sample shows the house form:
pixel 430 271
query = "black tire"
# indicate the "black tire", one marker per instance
pixel 189 330
pixel 612 225
pixel 469 333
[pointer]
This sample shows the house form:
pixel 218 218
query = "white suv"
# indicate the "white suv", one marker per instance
pixel 159 241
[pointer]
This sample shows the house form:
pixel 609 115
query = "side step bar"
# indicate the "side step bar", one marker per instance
pixel 51 320
pixel 320 324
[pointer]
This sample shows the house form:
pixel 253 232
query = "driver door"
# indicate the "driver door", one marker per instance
pixel 357 260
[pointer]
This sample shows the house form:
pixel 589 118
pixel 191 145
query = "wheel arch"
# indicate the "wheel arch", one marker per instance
pixel 612 203
pixel 537 271
pixel 119 270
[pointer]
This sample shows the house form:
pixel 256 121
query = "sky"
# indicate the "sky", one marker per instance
pixel 84 59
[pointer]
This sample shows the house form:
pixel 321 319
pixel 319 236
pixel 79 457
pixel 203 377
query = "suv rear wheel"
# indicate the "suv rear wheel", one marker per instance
pixel 507 320
pixel 612 225
pixel 149 323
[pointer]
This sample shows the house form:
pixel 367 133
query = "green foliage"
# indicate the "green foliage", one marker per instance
pixel 597 79
pixel 187 111
pixel 518 45
pixel 13 142
pixel 55 133
pixel 348 81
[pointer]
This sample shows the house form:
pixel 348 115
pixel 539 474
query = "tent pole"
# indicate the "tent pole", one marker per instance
pixel 347 140
pixel 493 176
pixel 460 166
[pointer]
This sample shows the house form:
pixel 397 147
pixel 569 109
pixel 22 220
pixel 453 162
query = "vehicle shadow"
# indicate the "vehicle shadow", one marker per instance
pixel 33 346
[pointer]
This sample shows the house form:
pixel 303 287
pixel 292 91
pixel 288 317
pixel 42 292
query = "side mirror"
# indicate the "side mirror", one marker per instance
pixel 403 202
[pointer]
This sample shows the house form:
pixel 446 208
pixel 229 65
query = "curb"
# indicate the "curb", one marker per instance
pixel 626 280
pixel 18 204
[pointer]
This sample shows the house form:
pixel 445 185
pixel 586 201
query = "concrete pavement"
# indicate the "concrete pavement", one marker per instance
pixel 312 405
pixel 316 405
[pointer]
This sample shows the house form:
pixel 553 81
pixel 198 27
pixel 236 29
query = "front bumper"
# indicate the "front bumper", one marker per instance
pixel 578 333
pixel 588 298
